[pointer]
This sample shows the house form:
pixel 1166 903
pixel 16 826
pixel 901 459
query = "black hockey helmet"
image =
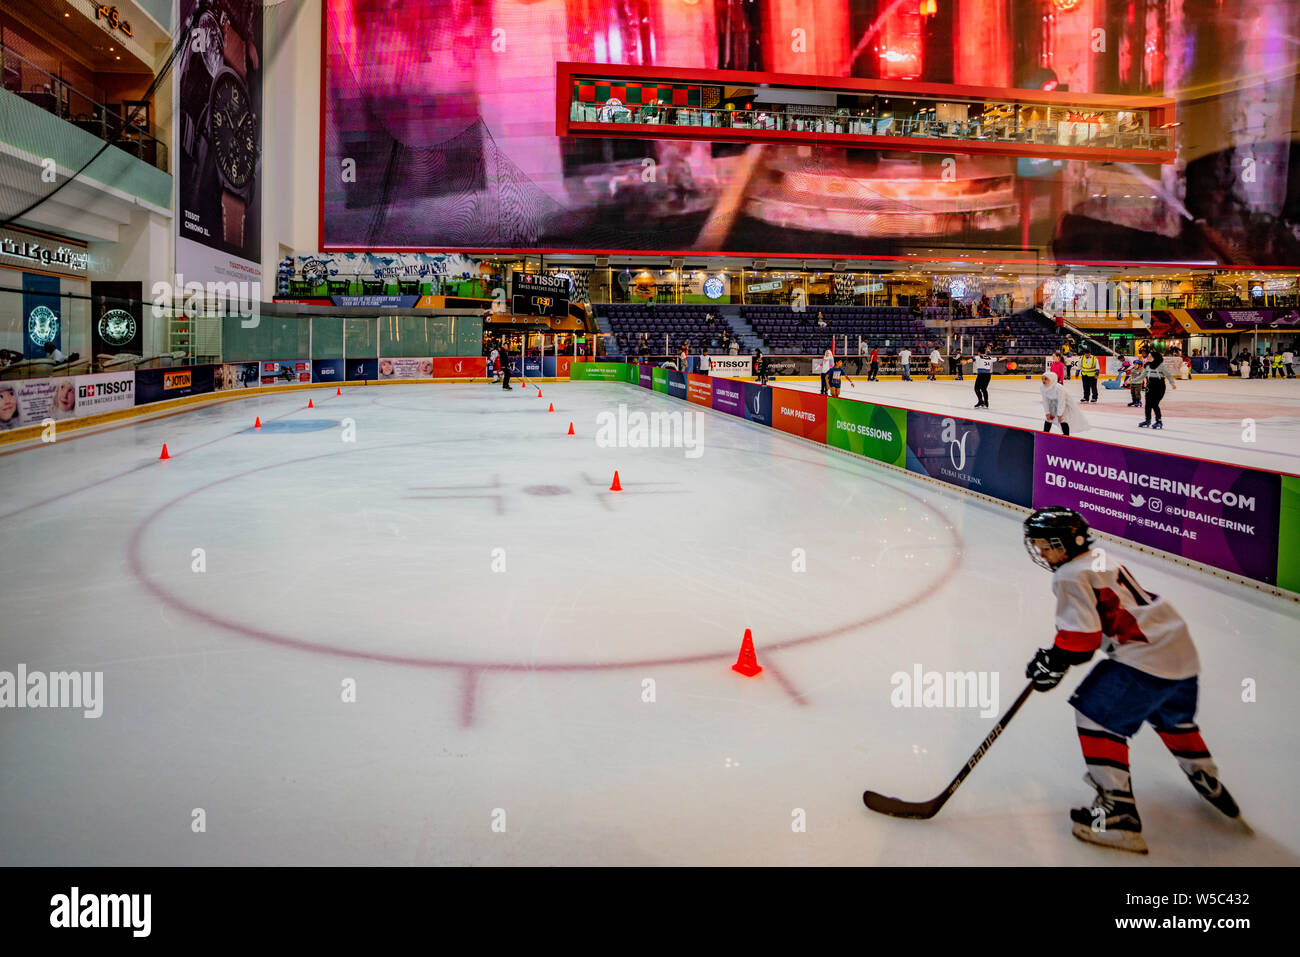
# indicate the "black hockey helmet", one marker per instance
pixel 1062 528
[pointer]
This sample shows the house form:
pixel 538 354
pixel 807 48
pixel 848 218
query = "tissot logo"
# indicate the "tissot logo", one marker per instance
pixel 101 389
pixel 956 445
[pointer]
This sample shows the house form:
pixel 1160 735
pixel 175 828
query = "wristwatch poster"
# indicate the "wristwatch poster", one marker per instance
pixel 220 126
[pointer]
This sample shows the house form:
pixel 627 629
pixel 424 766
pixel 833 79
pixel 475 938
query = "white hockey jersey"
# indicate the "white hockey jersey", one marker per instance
pixel 1111 611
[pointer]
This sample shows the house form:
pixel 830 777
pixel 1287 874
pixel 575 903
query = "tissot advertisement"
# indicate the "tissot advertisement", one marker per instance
pixel 535 295
pixel 219 140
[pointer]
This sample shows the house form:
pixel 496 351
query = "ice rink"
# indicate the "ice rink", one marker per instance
pixel 542 667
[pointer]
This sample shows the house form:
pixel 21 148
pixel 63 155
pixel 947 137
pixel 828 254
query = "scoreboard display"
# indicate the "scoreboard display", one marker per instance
pixel 539 295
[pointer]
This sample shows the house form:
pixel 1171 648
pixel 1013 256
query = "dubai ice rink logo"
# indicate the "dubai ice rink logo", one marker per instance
pixel 956 446
pixel 42 325
pixel 653 430
pixel 714 287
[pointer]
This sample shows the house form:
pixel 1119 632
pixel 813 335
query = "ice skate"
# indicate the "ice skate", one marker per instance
pixel 1212 790
pixel 1112 821
pixel 1144 425
pixel 1159 424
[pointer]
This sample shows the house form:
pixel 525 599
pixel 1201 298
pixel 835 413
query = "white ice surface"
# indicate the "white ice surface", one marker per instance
pixel 522 690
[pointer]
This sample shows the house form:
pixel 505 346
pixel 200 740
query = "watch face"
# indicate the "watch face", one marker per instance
pixel 117 327
pixel 233 130
pixel 208 41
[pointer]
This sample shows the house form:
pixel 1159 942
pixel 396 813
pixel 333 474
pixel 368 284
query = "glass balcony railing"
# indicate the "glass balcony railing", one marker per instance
pixel 47 91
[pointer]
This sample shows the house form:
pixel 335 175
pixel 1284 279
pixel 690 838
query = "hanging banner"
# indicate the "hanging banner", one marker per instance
pixel 218 143
pixel 42 322
pixel 116 318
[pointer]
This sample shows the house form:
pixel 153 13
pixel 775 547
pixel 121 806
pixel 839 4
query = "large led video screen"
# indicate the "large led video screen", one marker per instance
pixel 440 130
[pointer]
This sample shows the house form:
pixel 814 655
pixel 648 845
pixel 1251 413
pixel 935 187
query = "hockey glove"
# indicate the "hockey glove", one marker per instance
pixel 1046 669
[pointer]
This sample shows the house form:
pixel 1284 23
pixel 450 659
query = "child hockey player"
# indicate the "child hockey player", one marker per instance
pixel 833 377
pixel 1149 675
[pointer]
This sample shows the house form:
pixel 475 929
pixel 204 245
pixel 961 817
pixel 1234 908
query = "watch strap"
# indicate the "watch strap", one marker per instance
pixel 233 50
pixel 232 218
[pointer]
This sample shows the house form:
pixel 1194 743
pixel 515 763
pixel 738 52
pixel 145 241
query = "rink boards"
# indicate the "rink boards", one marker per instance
pixel 1243 521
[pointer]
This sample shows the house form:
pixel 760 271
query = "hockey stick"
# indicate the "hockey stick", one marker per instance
pixel 924 810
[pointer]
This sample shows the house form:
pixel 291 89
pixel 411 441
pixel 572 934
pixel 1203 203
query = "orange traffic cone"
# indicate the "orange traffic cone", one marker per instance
pixel 309 405
pixel 615 487
pixel 164 453
pixel 524 382
pixel 747 663
pixel 338 390
pixel 571 428
pixel 258 423
pixel 551 407
pixel 539 393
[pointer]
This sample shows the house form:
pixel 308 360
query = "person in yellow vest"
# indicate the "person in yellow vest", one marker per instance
pixel 1277 364
pixel 1088 373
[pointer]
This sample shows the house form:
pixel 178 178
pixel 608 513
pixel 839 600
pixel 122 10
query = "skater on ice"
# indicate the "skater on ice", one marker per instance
pixel 983 373
pixel 1059 406
pixel 1149 676
pixel 1153 376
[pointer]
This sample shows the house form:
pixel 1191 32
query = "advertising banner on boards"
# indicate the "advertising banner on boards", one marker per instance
pixel 874 431
pixel 155 385
pixel 758 402
pixel 799 413
pixel 406 367
pixel 993 460
pixel 1218 514
pixel 699 389
pixel 729 397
